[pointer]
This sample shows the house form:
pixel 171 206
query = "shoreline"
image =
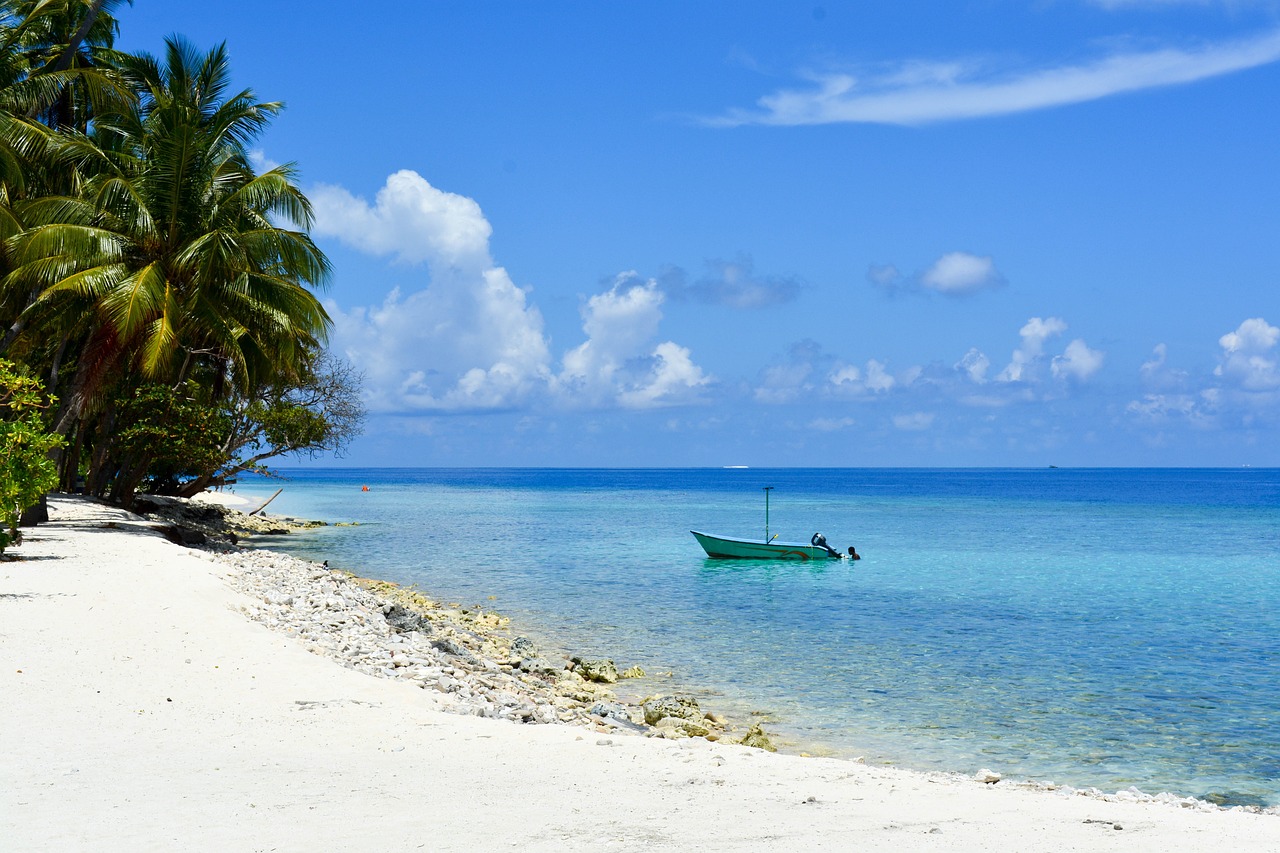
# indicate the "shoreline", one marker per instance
pixel 340 614
pixel 152 714
pixel 626 713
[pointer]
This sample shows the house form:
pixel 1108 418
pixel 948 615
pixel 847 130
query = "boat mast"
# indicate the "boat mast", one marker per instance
pixel 767 489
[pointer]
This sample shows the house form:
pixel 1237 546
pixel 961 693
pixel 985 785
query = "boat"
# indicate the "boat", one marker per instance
pixel 768 548
pixel 733 548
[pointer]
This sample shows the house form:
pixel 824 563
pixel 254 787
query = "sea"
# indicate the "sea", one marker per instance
pixel 1098 628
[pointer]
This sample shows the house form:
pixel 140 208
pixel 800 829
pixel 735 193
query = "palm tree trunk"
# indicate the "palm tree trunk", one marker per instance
pixel 73 46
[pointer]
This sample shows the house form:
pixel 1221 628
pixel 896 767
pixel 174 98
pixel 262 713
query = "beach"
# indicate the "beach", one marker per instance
pixel 146 710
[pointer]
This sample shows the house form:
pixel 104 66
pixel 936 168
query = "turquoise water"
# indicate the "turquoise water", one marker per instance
pixel 1098 628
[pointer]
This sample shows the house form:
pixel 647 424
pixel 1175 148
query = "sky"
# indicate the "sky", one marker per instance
pixel 969 233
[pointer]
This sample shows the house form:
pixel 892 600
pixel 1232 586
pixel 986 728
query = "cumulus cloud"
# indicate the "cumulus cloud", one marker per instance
pixel 974 365
pixel 1077 362
pixel 916 93
pixel 953 274
pixel 469 339
pixel 960 273
pixel 1244 387
pixel 849 380
pixel 734 284
pixel 409 219
pixel 671 378
pixel 616 362
pixel 1034 334
pixel 1248 358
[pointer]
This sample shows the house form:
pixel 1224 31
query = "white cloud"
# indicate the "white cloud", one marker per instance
pixel 953 274
pixel 831 424
pixel 410 219
pixel 672 378
pixel 974 365
pixel 1034 334
pixel 615 362
pixel 1248 359
pixel 878 379
pixel 1152 367
pixel 1160 407
pixel 261 162
pixel 920 92
pixel 618 324
pixel 960 273
pixel 1077 362
pixel 1246 390
pixel 469 339
pixel 849 380
pixel 1155 372
pixel 914 422
pixel 784 383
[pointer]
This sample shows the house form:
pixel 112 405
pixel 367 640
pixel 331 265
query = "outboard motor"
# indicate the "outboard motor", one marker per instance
pixel 820 541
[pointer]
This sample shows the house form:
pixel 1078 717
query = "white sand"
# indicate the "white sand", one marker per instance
pixel 228 499
pixel 141 711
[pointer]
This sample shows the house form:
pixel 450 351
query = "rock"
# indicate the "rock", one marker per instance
pixel 756 737
pixel 527 658
pixel 681 706
pixel 185 536
pixel 617 714
pixel 633 672
pixel 689 728
pixel 403 619
pixel 449 647
pixel 989 777
pixel 601 670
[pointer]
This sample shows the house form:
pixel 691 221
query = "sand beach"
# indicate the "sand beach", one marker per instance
pixel 165 698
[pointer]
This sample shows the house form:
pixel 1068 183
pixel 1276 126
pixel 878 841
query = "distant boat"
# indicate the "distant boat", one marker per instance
pixel 768 548
pixel 733 548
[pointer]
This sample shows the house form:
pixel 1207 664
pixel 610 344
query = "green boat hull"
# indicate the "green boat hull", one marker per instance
pixel 733 548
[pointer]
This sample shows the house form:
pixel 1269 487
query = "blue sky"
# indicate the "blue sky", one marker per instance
pixel 913 233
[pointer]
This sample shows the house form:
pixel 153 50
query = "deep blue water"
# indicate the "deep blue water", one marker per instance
pixel 1099 628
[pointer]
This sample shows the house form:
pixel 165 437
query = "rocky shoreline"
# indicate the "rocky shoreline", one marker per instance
pixel 467 660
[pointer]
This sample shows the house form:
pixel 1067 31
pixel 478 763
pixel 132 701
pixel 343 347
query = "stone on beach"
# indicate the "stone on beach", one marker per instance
pixel 756 737
pixel 403 619
pixel 599 670
pixel 679 706
pixel 525 656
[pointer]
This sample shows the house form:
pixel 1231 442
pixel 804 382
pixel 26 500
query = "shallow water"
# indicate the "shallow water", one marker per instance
pixel 1099 628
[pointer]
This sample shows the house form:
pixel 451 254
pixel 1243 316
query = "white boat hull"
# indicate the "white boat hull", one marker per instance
pixel 733 548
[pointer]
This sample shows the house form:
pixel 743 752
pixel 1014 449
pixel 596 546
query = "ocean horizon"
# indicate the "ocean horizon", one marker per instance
pixel 1098 628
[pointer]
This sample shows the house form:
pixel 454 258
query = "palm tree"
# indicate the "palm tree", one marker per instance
pixel 56 69
pixel 71 64
pixel 170 257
